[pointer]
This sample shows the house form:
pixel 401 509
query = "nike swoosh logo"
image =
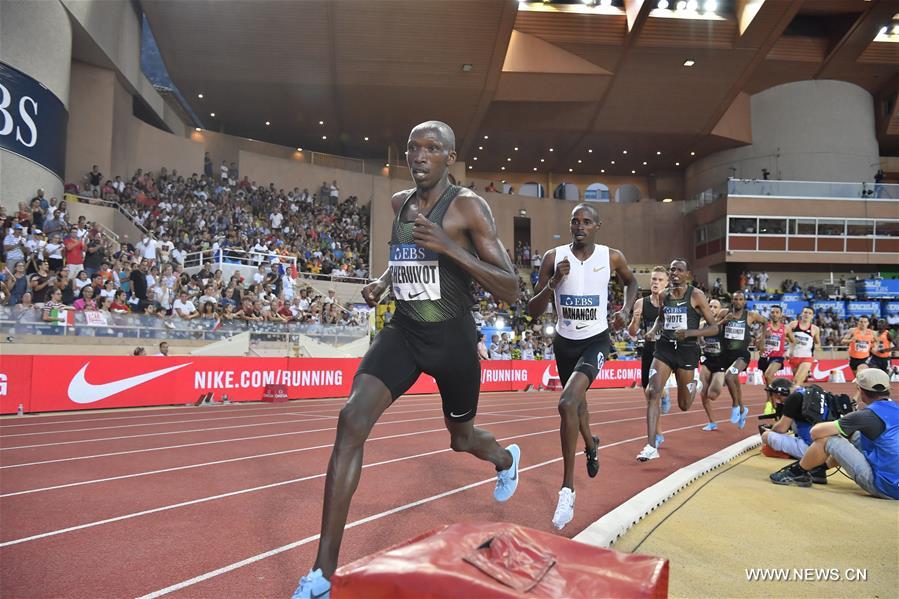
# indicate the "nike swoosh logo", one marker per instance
pixel 681 303
pixel 581 326
pixel 452 415
pixel 816 373
pixel 599 269
pixel 416 295
pixel 83 392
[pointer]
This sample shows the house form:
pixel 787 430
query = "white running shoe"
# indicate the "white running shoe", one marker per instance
pixel 649 453
pixel 564 509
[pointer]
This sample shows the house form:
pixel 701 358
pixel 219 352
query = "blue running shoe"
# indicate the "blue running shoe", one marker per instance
pixel 666 402
pixel 735 414
pixel 507 480
pixel 313 586
pixel 742 421
pixel 659 440
pixel 711 426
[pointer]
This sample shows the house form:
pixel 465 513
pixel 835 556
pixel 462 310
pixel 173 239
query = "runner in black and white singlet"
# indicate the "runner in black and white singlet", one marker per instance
pixel 646 311
pixel 712 369
pixel 576 277
pixel 736 336
pixel 443 237
pixel 677 349
pixel 804 338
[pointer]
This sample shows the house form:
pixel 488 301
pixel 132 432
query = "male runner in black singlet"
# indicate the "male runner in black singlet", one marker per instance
pixel 677 349
pixel 576 277
pixel 735 324
pixel 646 311
pixel 443 237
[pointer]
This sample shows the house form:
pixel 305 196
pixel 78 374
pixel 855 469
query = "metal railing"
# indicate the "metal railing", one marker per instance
pixel 222 256
pixel 865 190
pixel 15 321
pixel 123 210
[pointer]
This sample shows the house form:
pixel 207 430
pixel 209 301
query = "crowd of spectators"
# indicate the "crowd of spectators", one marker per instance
pixel 52 266
pixel 327 235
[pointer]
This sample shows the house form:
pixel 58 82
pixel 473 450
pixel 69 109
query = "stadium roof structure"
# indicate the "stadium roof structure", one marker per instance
pixel 590 81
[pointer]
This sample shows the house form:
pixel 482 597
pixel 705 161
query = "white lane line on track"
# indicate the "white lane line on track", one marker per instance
pixel 207 410
pixel 261 556
pixel 199 430
pixel 235 439
pixel 243 407
pixel 288 451
pixel 292 481
pixel 159 434
pixel 271 413
pixel 242 458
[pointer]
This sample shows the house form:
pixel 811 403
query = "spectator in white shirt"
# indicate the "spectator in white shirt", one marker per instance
pixel 184 308
pixel 259 275
pixel 335 193
pixel 276 219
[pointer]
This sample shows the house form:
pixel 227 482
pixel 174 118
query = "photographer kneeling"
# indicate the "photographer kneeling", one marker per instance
pixel 800 409
pixel 864 443
pixel 788 412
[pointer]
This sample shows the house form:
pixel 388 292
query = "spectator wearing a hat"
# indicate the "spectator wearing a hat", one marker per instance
pixel 865 443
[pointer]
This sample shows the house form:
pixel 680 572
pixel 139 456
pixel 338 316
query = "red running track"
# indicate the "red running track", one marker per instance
pixel 226 501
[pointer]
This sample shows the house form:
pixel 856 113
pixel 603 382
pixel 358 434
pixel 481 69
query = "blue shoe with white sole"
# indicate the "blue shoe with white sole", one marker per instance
pixel 313 586
pixel 507 480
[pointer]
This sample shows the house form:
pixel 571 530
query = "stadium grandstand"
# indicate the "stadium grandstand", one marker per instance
pixel 197 203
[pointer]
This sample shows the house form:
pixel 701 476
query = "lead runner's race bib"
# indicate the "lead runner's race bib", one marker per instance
pixel 735 330
pixel 861 346
pixel 803 339
pixel 772 342
pixel 414 272
pixel 676 318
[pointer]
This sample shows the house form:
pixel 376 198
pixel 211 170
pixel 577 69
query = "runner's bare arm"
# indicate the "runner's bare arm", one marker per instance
pixel 634 325
pixel 491 267
pixel 618 263
pixel 372 292
pixel 699 302
pixel 653 332
pixel 816 336
pixel 543 292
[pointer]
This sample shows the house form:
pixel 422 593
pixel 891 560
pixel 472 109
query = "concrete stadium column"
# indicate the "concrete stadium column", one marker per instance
pixel 803 131
pixel 36 40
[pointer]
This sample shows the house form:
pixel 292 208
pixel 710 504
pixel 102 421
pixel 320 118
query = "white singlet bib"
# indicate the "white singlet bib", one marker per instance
pixel 582 297
pixel 414 272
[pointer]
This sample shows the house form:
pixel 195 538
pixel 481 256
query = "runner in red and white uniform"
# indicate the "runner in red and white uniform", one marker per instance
pixel 773 345
pixel 804 337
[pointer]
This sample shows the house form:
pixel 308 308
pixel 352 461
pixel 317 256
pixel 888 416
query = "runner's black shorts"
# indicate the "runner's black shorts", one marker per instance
pixel 649 348
pixel 581 355
pixel 766 361
pixel 879 363
pixel 446 350
pixel 729 356
pixel 854 363
pixel 713 362
pixel 678 356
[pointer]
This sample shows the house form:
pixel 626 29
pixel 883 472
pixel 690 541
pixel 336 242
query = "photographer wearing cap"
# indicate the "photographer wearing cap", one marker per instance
pixel 788 411
pixel 864 443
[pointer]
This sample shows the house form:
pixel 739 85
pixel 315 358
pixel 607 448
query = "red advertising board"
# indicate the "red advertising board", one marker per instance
pixel 15 383
pixel 50 383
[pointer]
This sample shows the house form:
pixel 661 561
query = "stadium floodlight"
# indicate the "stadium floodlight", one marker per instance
pixel 663 4
pixel 682 5
pixel 692 5
pixel 549 330
pixel 710 5
pixel 499 323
